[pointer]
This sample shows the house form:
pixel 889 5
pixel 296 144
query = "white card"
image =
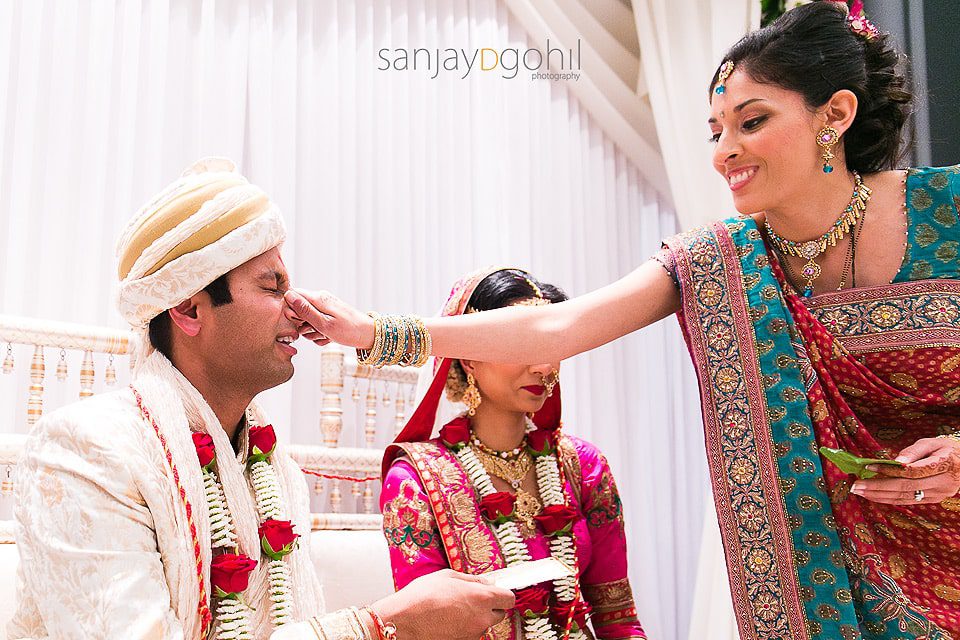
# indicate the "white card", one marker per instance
pixel 529 573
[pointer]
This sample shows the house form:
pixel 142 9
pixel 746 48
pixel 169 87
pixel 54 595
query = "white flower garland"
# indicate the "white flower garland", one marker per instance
pixel 266 487
pixel 221 524
pixel 232 615
pixel 512 544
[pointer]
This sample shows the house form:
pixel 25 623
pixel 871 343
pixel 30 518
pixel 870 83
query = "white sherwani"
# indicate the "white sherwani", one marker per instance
pixel 102 532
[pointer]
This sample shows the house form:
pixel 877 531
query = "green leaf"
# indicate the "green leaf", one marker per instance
pixel 849 463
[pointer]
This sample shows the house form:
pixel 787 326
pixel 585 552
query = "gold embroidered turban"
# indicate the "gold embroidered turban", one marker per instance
pixel 208 222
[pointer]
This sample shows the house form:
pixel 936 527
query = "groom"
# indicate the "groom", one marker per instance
pixel 165 510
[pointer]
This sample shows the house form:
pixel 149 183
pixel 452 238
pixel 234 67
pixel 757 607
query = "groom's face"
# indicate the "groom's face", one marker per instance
pixel 248 340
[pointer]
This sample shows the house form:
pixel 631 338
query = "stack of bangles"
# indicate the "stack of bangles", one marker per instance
pixel 398 340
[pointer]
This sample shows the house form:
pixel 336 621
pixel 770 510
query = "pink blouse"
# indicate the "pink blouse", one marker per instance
pixel 416 549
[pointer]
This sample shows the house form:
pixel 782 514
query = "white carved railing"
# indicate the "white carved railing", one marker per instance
pixel 370 404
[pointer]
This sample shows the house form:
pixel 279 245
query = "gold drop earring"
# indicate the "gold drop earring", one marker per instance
pixel 827 137
pixel 471 397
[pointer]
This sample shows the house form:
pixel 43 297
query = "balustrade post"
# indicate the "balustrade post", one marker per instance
pixel 37 372
pixel 331 384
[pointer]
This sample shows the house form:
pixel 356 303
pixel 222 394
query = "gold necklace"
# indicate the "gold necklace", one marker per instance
pixel 813 249
pixel 513 473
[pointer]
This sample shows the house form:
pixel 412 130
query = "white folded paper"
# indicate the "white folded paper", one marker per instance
pixel 527 574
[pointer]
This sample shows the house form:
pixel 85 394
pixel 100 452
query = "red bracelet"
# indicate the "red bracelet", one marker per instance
pixel 385 631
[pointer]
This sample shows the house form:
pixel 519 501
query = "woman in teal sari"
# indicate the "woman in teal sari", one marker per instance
pixel 828 314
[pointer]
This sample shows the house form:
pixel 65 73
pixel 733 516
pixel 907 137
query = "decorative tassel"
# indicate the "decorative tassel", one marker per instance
pixel 37 372
pixel 367 499
pixel 335 498
pixel 110 375
pixel 8 361
pixel 62 366
pixel 87 374
pixel 6 487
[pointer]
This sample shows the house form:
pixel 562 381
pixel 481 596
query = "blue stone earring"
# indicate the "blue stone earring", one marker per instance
pixel 826 138
pixel 725 70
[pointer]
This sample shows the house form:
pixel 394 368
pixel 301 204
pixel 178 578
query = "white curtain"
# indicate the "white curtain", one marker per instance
pixel 681 44
pixel 393 184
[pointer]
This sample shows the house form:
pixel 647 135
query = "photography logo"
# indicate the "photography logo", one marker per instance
pixel 551 63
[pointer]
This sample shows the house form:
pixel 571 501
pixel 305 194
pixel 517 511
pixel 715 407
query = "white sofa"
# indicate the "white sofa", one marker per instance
pixel 353 565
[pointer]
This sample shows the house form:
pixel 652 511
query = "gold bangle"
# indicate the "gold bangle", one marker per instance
pixel 951 436
pixel 368 357
pixel 317 629
pixel 426 344
pixel 361 628
pixel 413 342
pixel 398 340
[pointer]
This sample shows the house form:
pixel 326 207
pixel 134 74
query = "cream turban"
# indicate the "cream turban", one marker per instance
pixel 205 224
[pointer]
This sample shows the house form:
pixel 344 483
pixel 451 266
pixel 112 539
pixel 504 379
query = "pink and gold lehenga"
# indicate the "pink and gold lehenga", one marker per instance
pixel 870 370
pixel 432 518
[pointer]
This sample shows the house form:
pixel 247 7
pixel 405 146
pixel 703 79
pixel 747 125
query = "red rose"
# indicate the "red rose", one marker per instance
pixel 498 507
pixel 533 601
pixel 277 538
pixel 561 612
pixel 230 573
pixel 556 519
pixel 541 442
pixel 262 442
pixel 206 452
pixel 455 434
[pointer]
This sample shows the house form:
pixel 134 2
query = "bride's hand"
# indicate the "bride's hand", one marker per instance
pixel 324 318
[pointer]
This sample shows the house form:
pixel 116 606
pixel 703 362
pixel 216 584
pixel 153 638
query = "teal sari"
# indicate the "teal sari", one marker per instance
pixel 801 563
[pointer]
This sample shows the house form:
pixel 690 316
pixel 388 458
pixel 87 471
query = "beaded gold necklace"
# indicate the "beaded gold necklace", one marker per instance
pixel 813 249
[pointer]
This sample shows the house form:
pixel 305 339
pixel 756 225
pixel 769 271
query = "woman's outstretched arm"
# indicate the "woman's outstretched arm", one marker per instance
pixel 525 335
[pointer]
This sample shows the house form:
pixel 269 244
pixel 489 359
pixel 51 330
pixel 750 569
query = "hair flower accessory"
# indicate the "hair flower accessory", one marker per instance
pixel 858 21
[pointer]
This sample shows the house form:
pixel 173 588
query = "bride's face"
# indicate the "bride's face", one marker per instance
pixel 515 388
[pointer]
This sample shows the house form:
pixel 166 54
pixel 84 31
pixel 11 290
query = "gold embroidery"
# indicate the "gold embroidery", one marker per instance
pixel 408 522
pixel 950 594
pixel 609 596
pixel 570 462
pixel 448 472
pixel 503 630
pixel 950 364
pixel 476 546
pixel 863 533
pixel 898 567
pixel 951 504
pixel 851 391
pixel 462 506
pixel 904 380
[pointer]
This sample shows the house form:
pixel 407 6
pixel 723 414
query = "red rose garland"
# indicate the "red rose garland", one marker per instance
pixel 277 538
pixel 456 434
pixel 230 572
pixel 498 507
pixel 206 452
pixel 568 614
pixel 556 519
pixel 533 601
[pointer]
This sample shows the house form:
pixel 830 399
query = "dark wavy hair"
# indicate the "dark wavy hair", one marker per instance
pixel 811 50
pixel 500 289
pixel 160 331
